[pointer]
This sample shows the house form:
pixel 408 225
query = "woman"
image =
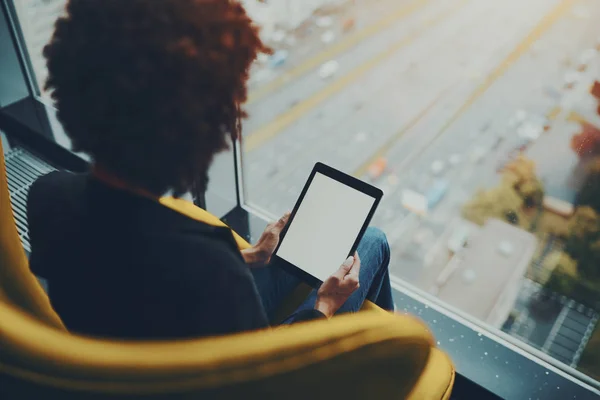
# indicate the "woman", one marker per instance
pixel 152 90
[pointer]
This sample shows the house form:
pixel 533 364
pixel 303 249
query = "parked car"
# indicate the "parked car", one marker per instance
pixel 477 155
pixel 571 79
pixel 454 159
pixel 278 58
pixel 586 57
pixel 436 193
pixel 377 168
pixel 328 69
pixel 437 167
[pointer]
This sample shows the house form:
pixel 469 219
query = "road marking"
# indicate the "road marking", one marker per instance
pixel 578 118
pixel 585 340
pixel 500 70
pixel 360 171
pixel 335 50
pixel 555 328
pixel 554 113
pixel 542 27
pixel 272 129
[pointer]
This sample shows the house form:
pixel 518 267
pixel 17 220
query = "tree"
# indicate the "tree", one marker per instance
pixel 561 262
pixel 587 141
pixel 520 174
pixel 589 194
pixel 561 283
pixel 589 261
pixel 583 243
pixel 585 221
pixel 501 202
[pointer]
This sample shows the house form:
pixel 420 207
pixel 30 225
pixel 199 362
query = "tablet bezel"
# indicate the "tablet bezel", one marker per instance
pixel 347 180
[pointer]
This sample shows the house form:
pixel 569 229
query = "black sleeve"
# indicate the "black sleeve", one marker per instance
pixel 214 288
pixel 304 315
pixel 39 199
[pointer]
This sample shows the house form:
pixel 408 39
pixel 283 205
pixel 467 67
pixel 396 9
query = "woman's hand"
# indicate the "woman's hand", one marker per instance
pixel 334 292
pixel 260 254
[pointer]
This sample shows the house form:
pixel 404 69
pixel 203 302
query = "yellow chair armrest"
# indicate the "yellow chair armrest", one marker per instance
pixel 364 355
pixel 436 380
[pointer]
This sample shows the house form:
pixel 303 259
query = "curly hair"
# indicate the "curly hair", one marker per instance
pixel 151 89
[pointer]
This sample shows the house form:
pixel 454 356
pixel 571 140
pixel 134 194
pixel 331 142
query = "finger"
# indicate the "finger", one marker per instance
pixel 283 220
pixel 350 283
pixel 355 266
pixel 344 269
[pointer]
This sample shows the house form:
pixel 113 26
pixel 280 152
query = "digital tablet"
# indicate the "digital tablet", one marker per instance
pixel 326 224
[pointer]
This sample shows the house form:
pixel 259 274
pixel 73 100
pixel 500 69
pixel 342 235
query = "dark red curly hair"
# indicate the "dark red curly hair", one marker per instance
pixel 151 89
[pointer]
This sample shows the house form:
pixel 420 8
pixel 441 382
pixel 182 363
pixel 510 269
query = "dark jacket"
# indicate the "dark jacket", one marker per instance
pixel 122 265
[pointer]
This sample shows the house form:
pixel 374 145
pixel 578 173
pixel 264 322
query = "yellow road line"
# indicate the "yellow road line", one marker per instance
pixel 554 113
pixel 270 130
pixel 578 118
pixel 336 49
pixel 543 26
pixel 360 171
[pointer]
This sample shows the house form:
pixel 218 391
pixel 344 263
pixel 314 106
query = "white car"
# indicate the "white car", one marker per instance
pixel 478 154
pixel 278 36
pixel 586 57
pixel 530 130
pixel 455 159
pixel 572 78
pixel 328 69
pixel 437 167
pixel 324 22
pixel 517 119
pixel 327 37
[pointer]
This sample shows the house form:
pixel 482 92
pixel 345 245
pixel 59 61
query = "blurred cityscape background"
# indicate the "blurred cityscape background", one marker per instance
pixel 478 118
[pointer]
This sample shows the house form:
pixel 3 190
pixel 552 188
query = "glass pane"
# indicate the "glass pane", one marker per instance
pixel 478 121
pixel 37 18
pixel 221 192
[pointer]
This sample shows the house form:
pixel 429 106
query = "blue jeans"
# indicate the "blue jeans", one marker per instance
pixel 275 284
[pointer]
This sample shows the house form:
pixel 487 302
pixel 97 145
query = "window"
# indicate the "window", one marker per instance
pixel 480 122
pixel 36 19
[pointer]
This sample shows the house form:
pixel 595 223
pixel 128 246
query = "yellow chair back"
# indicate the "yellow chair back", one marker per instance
pixel 18 286
pixel 369 355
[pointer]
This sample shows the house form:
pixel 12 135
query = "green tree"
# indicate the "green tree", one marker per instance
pixel 520 174
pixel 583 243
pixel 584 222
pixel 584 229
pixel 562 263
pixel 589 262
pixel 589 194
pixel 590 358
pixel 501 202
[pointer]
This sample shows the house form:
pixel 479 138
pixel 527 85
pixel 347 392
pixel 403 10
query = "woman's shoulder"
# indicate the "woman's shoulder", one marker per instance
pixel 49 189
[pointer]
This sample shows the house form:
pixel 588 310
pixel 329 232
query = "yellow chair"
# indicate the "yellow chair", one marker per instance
pixel 368 355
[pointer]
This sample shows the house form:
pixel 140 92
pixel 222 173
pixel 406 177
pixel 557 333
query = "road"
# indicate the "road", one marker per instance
pixel 443 79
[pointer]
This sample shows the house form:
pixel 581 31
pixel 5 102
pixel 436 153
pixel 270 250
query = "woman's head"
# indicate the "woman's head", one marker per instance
pixel 151 89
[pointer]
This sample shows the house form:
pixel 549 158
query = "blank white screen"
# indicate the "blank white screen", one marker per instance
pixel 325 226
